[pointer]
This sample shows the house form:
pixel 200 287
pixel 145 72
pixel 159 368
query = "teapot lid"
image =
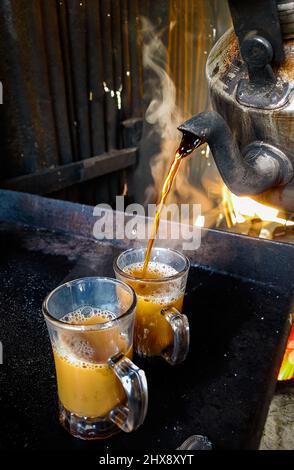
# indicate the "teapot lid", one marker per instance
pixel 257 68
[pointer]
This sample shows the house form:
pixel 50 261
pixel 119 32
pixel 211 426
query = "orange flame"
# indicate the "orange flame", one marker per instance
pixel 244 208
pixel 287 367
pixel 239 210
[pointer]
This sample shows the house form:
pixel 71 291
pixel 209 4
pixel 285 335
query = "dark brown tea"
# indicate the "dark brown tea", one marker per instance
pixel 188 144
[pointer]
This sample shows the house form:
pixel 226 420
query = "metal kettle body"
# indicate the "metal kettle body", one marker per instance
pixel 250 73
pixel 224 70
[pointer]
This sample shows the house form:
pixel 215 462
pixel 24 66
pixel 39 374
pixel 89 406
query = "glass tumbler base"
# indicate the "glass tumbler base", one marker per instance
pixel 86 428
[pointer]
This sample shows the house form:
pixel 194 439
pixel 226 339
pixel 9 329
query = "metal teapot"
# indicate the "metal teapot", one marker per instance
pixel 250 72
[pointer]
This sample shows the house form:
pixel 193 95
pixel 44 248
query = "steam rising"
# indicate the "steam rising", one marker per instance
pixel 162 110
pixel 165 116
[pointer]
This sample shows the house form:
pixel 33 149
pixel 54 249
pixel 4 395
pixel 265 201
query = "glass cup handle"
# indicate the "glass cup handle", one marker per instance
pixel 181 332
pixel 129 417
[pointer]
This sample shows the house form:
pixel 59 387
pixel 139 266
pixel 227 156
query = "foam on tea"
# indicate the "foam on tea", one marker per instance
pixel 156 270
pixel 88 316
pixel 152 332
pixel 81 364
pixel 79 347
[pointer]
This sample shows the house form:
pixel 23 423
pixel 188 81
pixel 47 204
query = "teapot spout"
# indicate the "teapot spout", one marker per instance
pixel 260 167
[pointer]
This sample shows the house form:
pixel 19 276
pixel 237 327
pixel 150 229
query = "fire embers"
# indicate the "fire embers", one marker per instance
pixel 287 368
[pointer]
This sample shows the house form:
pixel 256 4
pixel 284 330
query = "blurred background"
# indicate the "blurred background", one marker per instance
pixel 87 81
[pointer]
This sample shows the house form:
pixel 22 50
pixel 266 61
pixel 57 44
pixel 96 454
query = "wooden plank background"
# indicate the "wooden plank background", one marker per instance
pixel 67 67
pixel 75 88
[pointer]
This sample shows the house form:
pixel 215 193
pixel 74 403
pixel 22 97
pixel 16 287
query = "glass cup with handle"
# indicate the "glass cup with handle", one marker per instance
pixel 161 329
pixel 90 323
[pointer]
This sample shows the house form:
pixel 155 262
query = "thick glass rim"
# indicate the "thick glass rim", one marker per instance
pixel 95 326
pixel 121 272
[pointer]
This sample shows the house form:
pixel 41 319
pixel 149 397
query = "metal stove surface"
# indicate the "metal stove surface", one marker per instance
pixel 221 391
